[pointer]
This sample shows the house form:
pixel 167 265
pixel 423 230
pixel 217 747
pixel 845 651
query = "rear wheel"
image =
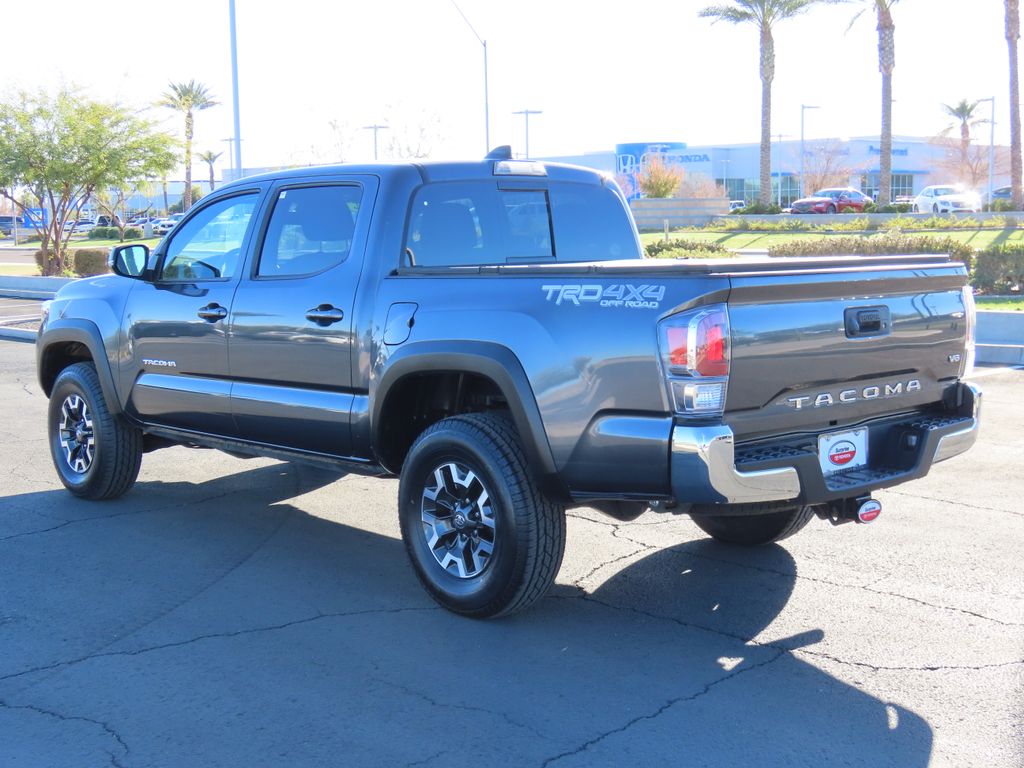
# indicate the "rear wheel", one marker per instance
pixel 756 529
pixel 482 538
pixel 96 455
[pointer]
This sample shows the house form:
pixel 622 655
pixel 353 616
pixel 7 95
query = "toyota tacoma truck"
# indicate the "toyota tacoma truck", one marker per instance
pixel 490 333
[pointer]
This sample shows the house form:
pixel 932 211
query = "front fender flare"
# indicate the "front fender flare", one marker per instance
pixel 83 332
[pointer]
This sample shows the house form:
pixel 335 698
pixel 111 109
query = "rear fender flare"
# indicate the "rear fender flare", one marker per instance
pixel 497 363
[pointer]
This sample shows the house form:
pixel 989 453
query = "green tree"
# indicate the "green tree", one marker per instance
pixel 187 98
pixel 764 14
pixel 209 157
pixel 60 149
pixel 1012 36
pixel 886 64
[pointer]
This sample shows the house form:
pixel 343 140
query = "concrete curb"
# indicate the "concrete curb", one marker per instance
pixel 17 334
pixel 17 287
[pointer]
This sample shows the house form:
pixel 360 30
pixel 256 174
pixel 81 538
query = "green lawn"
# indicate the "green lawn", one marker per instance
pixel 1005 305
pixel 20 270
pixel 977 238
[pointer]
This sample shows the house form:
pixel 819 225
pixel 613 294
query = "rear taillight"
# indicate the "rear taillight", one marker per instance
pixel 695 359
pixel 967 367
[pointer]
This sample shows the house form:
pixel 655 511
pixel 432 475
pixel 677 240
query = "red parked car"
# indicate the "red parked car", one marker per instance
pixel 832 201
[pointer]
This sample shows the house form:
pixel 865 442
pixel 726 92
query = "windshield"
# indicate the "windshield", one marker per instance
pixel 833 193
pixel 946 191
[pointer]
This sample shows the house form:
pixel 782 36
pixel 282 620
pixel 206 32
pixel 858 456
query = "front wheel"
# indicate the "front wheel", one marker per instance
pixel 96 455
pixel 758 529
pixel 831 210
pixel 482 538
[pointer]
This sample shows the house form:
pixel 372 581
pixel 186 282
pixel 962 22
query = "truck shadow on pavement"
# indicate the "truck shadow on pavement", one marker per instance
pixel 228 624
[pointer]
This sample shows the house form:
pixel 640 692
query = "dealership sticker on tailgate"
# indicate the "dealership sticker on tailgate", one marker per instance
pixel 843 450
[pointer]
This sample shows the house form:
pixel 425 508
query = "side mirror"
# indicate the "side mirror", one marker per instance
pixel 129 260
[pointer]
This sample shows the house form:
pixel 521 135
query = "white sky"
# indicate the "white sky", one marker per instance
pixel 601 72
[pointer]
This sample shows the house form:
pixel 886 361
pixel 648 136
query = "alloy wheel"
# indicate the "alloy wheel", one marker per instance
pixel 458 520
pixel 76 435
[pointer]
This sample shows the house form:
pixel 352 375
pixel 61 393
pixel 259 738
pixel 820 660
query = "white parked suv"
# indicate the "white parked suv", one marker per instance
pixel 946 198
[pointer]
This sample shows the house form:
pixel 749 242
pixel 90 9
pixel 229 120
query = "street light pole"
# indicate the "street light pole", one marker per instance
pixel 803 109
pixel 375 128
pixel 526 114
pixel 991 147
pixel 234 89
pixel 487 104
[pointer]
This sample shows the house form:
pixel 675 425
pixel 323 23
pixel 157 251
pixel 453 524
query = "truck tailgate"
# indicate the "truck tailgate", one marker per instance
pixel 825 347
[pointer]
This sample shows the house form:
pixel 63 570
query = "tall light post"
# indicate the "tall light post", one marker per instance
pixel 991 146
pixel 375 128
pixel 487 106
pixel 234 88
pixel 803 109
pixel 526 114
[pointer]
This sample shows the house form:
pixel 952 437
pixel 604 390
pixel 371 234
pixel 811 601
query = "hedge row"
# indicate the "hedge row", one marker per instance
pixel 889 244
pixel 686 249
pixel 84 261
pixel 113 233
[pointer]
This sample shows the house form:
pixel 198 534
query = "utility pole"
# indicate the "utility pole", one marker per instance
pixel 991 147
pixel 375 128
pixel 526 115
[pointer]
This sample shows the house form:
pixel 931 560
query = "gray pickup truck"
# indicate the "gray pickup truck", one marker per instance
pixel 490 333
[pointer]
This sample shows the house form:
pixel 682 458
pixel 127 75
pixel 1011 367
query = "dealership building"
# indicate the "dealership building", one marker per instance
pixel 916 163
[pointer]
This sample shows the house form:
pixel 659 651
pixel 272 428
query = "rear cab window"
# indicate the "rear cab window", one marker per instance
pixel 487 222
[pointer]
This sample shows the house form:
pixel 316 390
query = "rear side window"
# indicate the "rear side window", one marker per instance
pixel 478 222
pixel 591 224
pixel 310 230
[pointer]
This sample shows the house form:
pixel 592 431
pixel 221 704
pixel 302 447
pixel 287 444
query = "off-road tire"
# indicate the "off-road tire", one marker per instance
pixel 755 530
pixel 113 464
pixel 528 531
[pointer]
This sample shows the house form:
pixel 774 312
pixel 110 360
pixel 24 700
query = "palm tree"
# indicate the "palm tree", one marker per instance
pixel 209 157
pixel 187 98
pixel 886 64
pixel 965 118
pixel 1012 36
pixel 764 14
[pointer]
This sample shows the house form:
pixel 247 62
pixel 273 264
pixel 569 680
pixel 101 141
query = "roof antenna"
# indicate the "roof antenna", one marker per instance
pixel 504 152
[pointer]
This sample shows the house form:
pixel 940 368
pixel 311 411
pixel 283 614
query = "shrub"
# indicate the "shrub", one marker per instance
pixel 89 261
pixel 685 249
pixel 890 208
pixel 757 208
pixel 103 233
pixel 132 233
pixel 658 179
pixel 999 269
pixel 890 243
pixel 1002 206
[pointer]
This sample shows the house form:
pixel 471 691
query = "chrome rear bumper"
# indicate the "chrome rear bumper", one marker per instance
pixel 703 462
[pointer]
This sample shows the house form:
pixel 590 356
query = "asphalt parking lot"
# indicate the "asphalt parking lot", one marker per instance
pixel 230 612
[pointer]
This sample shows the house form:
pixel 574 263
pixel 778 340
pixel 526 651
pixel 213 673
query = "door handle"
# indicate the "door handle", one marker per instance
pixel 212 312
pixel 325 314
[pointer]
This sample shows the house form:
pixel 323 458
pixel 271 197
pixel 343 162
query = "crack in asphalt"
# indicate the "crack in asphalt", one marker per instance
pixel 708 688
pixel 71 718
pixel 164 508
pixel 864 587
pixel 214 636
pixel 958 503
pixel 617 533
pixel 465 707
pixel 911 668
pixel 426 760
